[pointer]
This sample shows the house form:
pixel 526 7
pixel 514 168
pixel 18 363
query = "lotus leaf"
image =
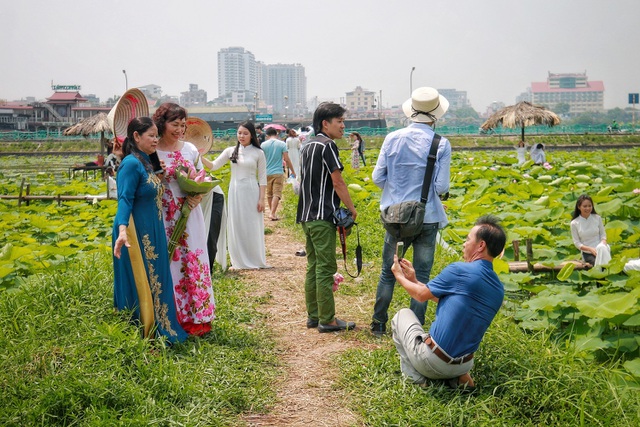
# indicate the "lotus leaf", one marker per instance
pixel 633 366
pixel 583 178
pixel 500 266
pixel 566 271
pixel 619 169
pixel 607 306
pixel 625 343
pixel 537 216
pixel 5 252
pixel 536 188
pixel 190 186
pixel 542 201
pixel 633 321
pixel 591 343
pixel 603 193
pixel 5 270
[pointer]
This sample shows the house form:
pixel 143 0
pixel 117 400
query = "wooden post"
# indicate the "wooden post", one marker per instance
pixel 530 255
pixel 27 193
pixel 516 250
pixel 20 195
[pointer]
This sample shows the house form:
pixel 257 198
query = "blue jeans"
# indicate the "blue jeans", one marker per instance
pixel 424 248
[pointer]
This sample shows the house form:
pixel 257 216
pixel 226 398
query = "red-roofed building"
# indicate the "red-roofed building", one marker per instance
pixel 60 110
pixel 573 89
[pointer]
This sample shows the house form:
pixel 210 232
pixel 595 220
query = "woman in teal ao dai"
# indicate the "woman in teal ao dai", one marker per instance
pixel 142 279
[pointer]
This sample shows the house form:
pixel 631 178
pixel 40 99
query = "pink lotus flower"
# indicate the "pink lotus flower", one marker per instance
pixel 636 191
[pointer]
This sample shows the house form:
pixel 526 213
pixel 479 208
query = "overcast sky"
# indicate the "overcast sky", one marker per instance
pixel 493 49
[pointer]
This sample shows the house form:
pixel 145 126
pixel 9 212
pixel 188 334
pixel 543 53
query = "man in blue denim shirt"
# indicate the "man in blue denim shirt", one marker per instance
pixel 400 171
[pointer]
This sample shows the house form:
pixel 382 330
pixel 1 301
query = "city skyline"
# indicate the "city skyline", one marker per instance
pixel 492 50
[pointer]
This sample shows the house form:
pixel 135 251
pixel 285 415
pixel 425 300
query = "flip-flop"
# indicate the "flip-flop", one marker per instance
pixel 275 219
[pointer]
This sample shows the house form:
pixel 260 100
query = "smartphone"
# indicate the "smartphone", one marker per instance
pixel 155 163
pixel 400 250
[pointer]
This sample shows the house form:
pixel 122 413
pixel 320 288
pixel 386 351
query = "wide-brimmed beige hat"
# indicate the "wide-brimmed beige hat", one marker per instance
pixel 199 134
pixel 131 104
pixel 425 105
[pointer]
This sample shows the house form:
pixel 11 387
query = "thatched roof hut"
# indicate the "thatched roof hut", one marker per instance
pixel 520 115
pixel 95 124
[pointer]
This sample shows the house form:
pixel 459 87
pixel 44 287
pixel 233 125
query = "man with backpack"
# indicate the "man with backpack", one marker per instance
pixel 400 173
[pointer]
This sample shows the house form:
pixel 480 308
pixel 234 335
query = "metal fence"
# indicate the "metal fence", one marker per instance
pixel 43 135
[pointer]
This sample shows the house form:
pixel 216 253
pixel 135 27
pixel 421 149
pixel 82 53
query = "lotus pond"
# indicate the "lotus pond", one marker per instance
pixel 598 310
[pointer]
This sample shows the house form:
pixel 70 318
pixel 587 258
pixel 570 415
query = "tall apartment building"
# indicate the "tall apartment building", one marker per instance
pixel 569 88
pixel 285 88
pixel 276 88
pixel 236 71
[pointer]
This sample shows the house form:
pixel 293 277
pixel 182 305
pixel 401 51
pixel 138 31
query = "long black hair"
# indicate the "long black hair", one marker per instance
pixel 129 146
pixel 254 139
pixel 576 211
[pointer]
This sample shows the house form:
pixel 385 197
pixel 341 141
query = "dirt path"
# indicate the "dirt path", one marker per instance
pixel 305 390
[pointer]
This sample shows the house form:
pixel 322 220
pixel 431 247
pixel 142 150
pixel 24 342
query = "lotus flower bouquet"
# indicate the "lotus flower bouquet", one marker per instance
pixel 192 183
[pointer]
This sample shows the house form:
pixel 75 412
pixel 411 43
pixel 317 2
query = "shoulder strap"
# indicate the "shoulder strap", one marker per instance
pixel 431 161
pixel 343 242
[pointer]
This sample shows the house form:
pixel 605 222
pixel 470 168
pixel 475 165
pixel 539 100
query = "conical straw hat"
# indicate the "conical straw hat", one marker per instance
pixel 131 104
pixel 199 134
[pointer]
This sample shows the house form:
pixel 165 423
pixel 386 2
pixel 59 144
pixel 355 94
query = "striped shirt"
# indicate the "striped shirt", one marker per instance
pixel 318 199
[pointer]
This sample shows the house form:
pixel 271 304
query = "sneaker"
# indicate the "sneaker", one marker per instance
pixel 378 329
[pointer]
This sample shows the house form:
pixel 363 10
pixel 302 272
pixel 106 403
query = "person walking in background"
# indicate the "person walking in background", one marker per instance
pixel 400 172
pixel 293 148
pixel 260 133
pixel 355 152
pixel 469 295
pixel 190 263
pixel 275 152
pixel 355 136
pixel 321 190
pixel 245 223
pixel 588 232
pixel 141 274
pixel 306 133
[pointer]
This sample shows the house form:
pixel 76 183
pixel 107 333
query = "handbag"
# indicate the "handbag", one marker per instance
pixel 405 219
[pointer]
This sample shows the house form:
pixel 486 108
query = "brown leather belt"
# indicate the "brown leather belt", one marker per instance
pixel 452 361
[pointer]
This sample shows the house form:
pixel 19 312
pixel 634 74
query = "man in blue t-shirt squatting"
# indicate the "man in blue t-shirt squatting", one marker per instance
pixel 468 294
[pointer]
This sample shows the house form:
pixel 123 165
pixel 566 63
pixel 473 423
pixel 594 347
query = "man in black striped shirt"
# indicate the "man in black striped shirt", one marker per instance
pixel 321 190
